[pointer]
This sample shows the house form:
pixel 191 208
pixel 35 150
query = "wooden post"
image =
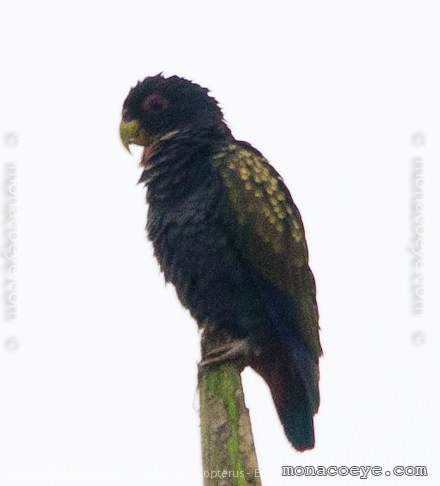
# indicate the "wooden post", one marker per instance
pixel 228 451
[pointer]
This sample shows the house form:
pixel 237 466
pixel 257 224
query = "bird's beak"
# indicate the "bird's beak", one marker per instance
pixel 131 132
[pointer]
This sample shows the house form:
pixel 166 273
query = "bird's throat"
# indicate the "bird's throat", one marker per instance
pixel 146 154
pixel 152 145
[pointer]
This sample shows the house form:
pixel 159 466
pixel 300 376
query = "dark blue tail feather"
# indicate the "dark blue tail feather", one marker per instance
pixel 279 307
pixel 291 375
pixel 294 408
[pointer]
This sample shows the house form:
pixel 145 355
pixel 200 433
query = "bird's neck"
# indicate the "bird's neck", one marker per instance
pixel 179 162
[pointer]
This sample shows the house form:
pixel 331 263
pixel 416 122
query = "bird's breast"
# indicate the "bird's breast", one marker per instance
pixel 185 230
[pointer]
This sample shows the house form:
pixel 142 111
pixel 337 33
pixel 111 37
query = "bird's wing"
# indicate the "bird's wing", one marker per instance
pixel 269 234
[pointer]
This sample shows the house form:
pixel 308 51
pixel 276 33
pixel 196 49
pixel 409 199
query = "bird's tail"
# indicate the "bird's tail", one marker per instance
pixel 291 400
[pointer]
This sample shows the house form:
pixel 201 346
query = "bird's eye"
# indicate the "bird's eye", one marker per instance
pixel 155 104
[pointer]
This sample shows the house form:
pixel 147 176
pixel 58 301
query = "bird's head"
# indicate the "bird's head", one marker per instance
pixel 160 107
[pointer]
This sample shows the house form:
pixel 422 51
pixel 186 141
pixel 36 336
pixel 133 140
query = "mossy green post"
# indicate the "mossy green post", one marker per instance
pixel 228 450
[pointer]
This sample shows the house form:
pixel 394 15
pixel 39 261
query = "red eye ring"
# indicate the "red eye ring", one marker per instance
pixel 155 103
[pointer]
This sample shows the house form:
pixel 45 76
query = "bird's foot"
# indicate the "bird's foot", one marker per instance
pixel 237 351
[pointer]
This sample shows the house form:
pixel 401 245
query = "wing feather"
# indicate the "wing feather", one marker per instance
pixel 269 233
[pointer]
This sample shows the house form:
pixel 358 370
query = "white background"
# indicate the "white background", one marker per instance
pixel 98 375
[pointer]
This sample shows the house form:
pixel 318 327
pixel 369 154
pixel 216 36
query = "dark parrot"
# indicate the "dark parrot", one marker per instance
pixel 228 235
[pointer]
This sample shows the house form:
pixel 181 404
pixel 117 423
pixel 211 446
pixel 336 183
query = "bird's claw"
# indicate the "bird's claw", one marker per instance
pixel 237 351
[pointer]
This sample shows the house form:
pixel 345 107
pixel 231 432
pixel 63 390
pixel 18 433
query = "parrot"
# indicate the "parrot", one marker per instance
pixel 227 234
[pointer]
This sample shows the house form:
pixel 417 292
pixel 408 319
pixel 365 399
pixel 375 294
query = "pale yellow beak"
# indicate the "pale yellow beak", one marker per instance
pixel 131 132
